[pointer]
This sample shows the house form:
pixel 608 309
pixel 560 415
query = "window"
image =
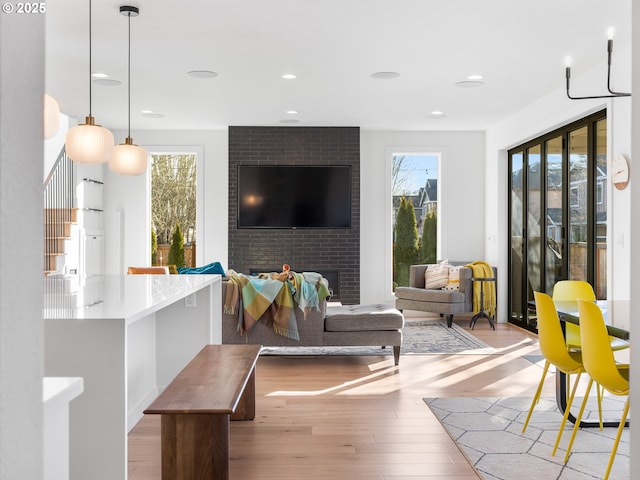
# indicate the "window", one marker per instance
pixel 574 197
pixel 414 179
pixel 173 204
pixel 600 193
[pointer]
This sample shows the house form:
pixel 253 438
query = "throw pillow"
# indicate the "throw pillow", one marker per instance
pixel 208 269
pixel 454 278
pixel 436 276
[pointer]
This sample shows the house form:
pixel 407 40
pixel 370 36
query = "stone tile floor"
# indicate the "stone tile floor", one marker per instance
pixel 489 432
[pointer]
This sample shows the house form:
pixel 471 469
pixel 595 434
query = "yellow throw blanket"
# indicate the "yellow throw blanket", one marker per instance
pixel 483 270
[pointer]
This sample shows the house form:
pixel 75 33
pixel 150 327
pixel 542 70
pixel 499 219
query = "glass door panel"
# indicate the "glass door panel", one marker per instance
pixel 534 222
pixel 517 271
pixel 555 241
pixel 578 204
pixel 600 279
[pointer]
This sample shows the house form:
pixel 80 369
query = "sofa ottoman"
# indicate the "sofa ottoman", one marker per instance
pixel 364 325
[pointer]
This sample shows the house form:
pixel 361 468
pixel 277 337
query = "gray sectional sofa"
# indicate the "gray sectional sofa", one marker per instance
pixel 331 325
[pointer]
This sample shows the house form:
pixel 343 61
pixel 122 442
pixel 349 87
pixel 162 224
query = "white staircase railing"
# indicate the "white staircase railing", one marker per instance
pixel 59 213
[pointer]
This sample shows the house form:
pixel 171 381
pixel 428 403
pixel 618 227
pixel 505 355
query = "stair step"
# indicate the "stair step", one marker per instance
pixel 57 230
pixel 50 263
pixel 54 245
pixel 61 215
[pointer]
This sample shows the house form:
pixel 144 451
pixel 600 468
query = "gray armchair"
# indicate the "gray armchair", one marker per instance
pixel 445 302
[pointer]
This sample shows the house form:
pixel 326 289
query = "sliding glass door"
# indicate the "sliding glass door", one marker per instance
pixel 578 211
pixel 517 270
pixel 600 213
pixel 555 245
pixel 557 213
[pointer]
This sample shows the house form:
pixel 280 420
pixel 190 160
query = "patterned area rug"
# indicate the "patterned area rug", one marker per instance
pixel 419 337
pixel 488 430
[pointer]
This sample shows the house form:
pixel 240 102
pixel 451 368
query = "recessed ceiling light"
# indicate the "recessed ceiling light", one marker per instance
pixel 100 75
pixel 469 84
pixel 289 76
pixel 385 75
pixel 289 120
pixel 436 114
pixel 475 77
pixel 292 112
pixel 151 114
pixel 107 82
pixel 202 74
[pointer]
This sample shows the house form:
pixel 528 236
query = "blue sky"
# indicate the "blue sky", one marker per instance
pixel 416 169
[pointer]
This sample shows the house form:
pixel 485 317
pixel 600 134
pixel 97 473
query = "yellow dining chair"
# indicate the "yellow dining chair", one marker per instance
pixel 555 353
pixel 600 364
pixel 571 290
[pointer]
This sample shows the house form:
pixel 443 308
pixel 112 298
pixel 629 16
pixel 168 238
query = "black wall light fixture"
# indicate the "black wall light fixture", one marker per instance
pixel 612 93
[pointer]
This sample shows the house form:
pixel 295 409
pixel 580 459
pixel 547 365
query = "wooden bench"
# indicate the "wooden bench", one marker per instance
pixel 218 385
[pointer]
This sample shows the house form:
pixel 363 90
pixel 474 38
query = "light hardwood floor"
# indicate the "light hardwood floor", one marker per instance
pixel 360 418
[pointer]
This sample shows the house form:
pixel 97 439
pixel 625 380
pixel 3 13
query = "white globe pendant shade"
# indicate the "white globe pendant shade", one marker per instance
pixel 89 143
pixel 128 158
pixel 51 117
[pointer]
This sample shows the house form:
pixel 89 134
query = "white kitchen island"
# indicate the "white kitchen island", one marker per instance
pixel 127 336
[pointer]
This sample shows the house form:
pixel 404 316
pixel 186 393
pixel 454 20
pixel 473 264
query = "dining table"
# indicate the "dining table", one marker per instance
pixel 616 314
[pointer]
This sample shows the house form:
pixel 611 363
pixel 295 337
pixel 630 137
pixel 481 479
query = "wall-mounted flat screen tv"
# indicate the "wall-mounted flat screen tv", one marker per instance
pixel 292 196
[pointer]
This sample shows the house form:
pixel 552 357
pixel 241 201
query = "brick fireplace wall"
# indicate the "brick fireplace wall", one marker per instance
pixel 334 252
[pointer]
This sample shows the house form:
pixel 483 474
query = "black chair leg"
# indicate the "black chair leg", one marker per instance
pixel 449 320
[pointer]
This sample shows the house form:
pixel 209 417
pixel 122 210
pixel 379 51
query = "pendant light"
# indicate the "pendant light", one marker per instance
pixel 51 117
pixel 128 158
pixel 88 142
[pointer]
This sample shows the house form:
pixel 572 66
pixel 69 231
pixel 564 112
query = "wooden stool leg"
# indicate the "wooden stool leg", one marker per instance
pixel 195 446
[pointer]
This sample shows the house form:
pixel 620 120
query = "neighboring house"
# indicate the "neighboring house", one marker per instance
pixel 577 205
pixel 424 202
pixel 577 199
pixel 431 196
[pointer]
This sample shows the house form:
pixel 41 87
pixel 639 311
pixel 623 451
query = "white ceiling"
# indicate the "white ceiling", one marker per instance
pixel 333 46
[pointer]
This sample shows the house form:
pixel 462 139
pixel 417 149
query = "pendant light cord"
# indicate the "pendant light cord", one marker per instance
pixel 129 81
pixel 90 113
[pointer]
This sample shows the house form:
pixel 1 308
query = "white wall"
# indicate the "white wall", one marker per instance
pixel 461 195
pixel 127 230
pixel 21 220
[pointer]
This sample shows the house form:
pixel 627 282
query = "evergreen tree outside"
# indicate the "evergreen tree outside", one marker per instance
pixel 176 252
pixel 429 238
pixel 154 247
pixel 406 242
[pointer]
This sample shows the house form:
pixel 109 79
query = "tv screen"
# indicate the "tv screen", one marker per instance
pixel 288 196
